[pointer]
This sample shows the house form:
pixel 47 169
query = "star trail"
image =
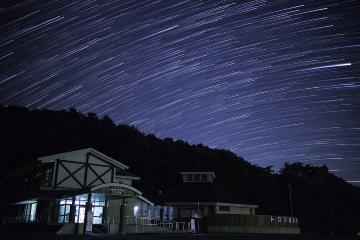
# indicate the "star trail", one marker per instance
pixel 273 81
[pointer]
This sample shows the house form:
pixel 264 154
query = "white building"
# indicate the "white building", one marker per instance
pixel 77 187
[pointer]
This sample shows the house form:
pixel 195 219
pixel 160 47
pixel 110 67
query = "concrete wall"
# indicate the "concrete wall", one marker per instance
pixel 114 210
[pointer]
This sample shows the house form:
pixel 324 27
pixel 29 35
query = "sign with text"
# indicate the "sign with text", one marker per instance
pixel 283 219
pixel 116 191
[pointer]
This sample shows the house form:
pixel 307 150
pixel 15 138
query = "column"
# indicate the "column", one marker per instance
pixel 54 214
pixel 39 212
pixel 88 215
pixel 105 214
pixel 72 211
pixel 43 211
pixel 122 217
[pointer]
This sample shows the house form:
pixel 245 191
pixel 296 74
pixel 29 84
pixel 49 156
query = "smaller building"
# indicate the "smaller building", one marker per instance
pixel 198 198
pixel 204 206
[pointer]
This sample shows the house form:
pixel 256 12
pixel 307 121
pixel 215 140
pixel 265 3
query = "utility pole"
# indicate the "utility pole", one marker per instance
pixel 291 204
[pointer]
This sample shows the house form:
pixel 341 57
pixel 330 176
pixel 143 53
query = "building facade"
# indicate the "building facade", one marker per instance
pixel 80 189
pixel 87 191
pixel 208 208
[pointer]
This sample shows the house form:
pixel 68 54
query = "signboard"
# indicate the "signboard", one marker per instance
pixel 116 191
pixel 283 219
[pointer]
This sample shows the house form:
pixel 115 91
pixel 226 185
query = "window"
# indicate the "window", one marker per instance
pixel 165 213
pixel 157 212
pixel 64 211
pixel 136 211
pixel 98 203
pixel 203 177
pixel 47 175
pixel 97 215
pixel 80 214
pixel 224 208
pixel 191 211
pixel 196 178
pixel 171 213
pixel 30 211
pixel 66 201
pixel 185 212
pixel 144 209
pixel 189 178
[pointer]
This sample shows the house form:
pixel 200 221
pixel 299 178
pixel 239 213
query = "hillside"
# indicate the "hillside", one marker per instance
pixel 324 202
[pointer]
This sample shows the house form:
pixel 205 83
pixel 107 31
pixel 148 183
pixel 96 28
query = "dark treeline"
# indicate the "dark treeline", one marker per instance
pixel 323 202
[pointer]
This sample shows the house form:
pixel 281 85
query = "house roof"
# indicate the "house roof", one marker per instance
pixel 51 158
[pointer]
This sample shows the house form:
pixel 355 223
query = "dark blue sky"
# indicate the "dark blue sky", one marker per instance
pixel 273 81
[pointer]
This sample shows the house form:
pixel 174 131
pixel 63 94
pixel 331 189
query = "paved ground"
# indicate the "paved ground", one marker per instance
pixel 18 236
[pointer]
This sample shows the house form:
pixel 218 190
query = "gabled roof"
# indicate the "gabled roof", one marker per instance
pixel 51 158
pixel 126 174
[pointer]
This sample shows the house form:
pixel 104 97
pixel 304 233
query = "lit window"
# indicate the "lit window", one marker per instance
pixel 64 211
pixel 30 212
pixel 171 213
pixel 136 211
pixel 97 217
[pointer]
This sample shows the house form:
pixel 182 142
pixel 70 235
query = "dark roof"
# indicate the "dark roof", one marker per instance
pixel 202 192
pixel 123 172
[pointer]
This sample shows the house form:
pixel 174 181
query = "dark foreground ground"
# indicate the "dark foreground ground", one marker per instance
pixel 19 235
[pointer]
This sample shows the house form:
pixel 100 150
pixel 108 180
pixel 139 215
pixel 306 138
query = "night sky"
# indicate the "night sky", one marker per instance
pixel 273 81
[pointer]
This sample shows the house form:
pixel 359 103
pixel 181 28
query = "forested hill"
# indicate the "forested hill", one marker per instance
pixel 323 202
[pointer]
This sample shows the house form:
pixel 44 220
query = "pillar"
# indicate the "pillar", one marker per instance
pixel 43 212
pixel 54 211
pixel 88 214
pixel 72 213
pixel 122 217
pixel 105 214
